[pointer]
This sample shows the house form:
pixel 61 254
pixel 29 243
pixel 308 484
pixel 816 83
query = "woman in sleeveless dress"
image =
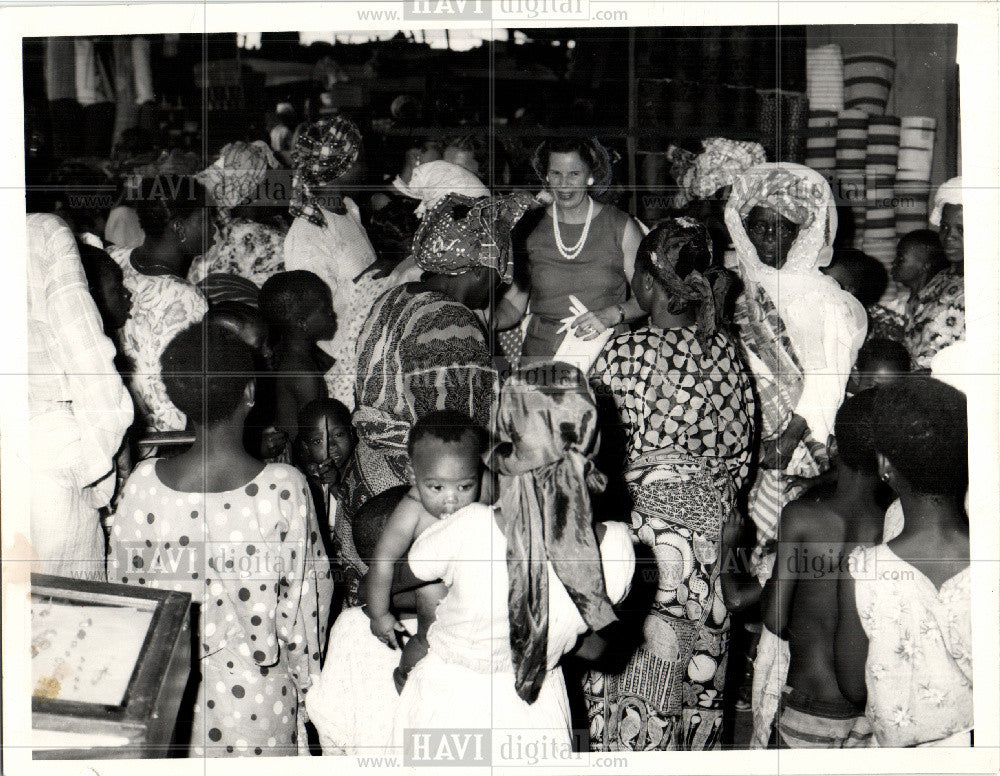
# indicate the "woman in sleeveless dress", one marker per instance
pixel 581 248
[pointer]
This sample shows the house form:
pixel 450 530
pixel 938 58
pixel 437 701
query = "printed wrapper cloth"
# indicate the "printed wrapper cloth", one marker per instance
pixel 867 81
pixel 825 78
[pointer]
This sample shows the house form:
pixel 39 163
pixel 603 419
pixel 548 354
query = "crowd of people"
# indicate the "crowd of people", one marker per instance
pixel 375 418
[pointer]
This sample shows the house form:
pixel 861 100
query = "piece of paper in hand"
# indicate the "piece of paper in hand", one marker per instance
pixel 573 350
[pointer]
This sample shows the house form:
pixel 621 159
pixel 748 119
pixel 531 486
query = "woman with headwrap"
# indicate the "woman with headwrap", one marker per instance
pixel 248 243
pixel 327 237
pixel 581 248
pixel 937 314
pixel 688 409
pixel 422 348
pixel 800 335
pixel 525 580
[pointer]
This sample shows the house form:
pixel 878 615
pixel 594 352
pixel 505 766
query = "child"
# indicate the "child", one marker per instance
pixel 880 361
pixel 324 445
pixel 445 473
pixel 859 274
pixel 904 634
pixel 299 312
pixel 800 598
pixel 919 257
pixel 107 285
pixel 244 320
pixel 262 632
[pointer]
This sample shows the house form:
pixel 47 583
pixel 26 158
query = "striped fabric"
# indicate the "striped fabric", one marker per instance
pixel 825 78
pixel 913 173
pixel 867 81
pixel 852 148
pixel 880 177
pixel 821 142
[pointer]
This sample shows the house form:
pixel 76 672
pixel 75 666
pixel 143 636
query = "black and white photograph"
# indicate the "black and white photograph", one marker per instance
pixel 501 384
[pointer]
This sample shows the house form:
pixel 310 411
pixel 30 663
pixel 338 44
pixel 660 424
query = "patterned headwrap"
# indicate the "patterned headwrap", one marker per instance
pixel 949 193
pixel 783 192
pixel 432 181
pixel 460 233
pixel 549 416
pixel 236 174
pixel 707 290
pixel 721 161
pixel 324 152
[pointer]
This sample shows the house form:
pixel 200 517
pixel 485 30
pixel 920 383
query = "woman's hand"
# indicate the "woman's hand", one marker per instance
pixel 385 627
pixel 378 269
pixel 591 324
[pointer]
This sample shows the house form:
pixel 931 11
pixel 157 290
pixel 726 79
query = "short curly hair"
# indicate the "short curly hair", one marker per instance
pixel 921 426
pixel 162 199
pixel 205 369
pixel 288 297
pixel 448 426
pixel 854 429
pixel 594 155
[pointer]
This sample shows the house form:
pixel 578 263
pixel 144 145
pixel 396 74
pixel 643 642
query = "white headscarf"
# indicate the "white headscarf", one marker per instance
pixel 826 325
pixel 949 193
pixel 433 181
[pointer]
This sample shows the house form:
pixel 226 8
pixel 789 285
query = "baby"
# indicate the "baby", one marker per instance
pixel 445 472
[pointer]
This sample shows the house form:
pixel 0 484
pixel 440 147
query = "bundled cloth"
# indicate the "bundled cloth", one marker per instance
pixel 716 167
pixel 549 415
pixel 325 151
pixel 821 142
pixel 461 233
pixel 867 82
pixel 880 177
pixel 825 78
pixel 913 173
pixel 852 146
pixel 432 181
pixel 234 177
pixel 223 287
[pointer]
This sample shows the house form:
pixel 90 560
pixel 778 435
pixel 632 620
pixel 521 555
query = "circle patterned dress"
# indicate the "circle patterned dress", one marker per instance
pixel 253 560
pixel 688 408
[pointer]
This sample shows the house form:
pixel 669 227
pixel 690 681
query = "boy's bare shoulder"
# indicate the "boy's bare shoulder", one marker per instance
pixel 810 519
pixel 407 513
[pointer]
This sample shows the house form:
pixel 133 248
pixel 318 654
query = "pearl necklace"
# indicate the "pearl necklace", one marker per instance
pixel 571 252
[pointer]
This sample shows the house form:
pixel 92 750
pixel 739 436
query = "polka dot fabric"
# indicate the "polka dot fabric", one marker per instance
pixel 254 563
pixel 673 395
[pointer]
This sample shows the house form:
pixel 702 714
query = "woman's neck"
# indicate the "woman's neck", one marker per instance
pixel 158 257
pixel 437 283
pixel 661 317
pixel 925 514
pixel 576 214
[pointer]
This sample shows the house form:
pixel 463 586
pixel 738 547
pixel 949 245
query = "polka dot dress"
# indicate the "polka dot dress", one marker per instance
pixel 253 560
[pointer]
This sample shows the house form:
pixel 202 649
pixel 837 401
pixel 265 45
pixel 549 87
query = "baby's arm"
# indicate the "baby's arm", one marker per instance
pixel 393 544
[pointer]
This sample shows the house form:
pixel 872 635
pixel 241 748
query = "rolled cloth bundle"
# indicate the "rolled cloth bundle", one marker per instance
pixel 880 179
pixel 821 142
pixel 825 78
pixel 867 82
pixel 852 145
pixel 913 172
pixel 548 416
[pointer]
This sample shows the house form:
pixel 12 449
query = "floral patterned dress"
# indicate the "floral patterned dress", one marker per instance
pixel 935 317
pixel 246 248
pixel 689 415
pixel 162 307
pixel 254 563
pixel 919 667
